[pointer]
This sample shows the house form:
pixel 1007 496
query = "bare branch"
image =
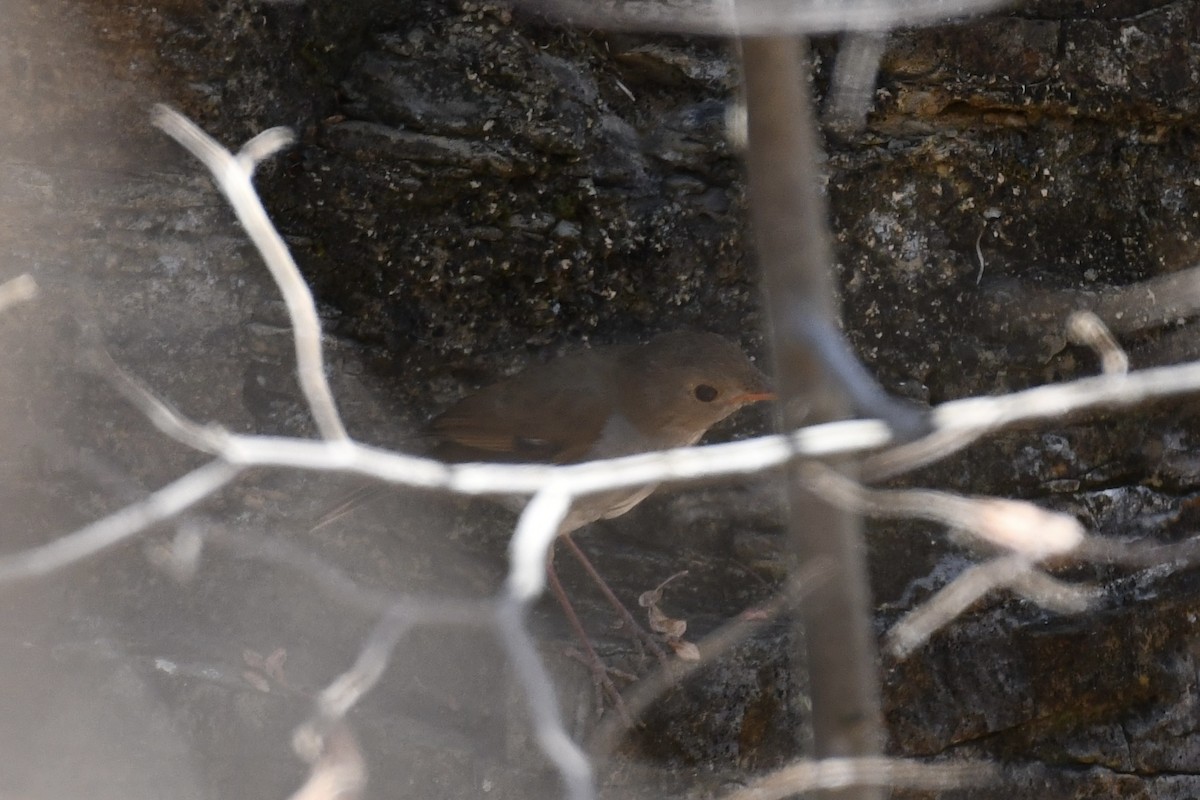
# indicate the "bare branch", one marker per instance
pixel 534 536
pixel 837 773
pixel 916 454
pixel 985 414
pixel 120 526
pixel 1031 532
pixel 262 147
pixel 1015 572
pixel 535 681
pixel 349 687
pixel 233 176
pixel 958 423
pixel 1147 304
pixel 757 17
pixel 1164 300
pixel 1140 554
pixel 1016 525
pixel 951 600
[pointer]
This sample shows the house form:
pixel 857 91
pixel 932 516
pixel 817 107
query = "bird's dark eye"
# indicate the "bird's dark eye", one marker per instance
pixel 705 393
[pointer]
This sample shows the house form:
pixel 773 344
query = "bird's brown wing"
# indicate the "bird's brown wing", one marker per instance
pixel 552 413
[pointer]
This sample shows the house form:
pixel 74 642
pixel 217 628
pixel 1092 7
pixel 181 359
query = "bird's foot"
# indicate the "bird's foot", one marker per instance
pixel 642 639
pixel 602 682
pixel 640 636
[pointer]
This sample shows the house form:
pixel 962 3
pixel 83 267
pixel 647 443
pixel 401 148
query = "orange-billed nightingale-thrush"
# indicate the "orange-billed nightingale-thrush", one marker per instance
pixel 602 403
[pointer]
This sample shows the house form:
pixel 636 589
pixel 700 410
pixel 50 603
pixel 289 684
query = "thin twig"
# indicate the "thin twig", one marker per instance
pixel 528 551
pixel 960 421
pixel 1086 328
pixel 1052 594
pixel 339 771
pixel 1102 550
pixel 915 454
pixel 979 255
pixel 348 688
pixel 1015 572
pixel 161 414
pixel 1163 300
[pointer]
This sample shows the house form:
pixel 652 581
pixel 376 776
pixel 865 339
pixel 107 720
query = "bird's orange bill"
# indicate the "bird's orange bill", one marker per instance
pixel 755 397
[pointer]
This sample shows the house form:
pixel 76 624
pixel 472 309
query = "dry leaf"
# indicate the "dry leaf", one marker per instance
pixel 647 599
pixel 273 664
pixel 257 681
pixel 661 623
pixel 650 598
pixel 685 650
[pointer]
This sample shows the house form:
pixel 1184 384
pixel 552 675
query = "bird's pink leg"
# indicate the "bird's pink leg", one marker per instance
pixel 637 630
pixel 591 658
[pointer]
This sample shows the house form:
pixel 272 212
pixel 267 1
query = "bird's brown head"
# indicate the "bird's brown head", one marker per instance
pixel 680 384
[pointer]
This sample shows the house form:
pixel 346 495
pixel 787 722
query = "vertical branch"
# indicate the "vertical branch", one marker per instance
pixel 791 228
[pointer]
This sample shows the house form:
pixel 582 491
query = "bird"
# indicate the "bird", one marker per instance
pixel 602 403
pixel 597 403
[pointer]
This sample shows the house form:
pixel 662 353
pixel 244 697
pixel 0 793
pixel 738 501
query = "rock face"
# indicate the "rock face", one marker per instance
pixel 473 189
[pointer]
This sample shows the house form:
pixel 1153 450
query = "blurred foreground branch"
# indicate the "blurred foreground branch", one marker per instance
pixel 815 364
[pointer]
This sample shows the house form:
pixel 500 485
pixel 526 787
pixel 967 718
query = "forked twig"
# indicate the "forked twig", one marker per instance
pixel 233 175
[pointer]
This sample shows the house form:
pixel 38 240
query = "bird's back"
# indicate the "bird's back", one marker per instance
pixel 548 413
